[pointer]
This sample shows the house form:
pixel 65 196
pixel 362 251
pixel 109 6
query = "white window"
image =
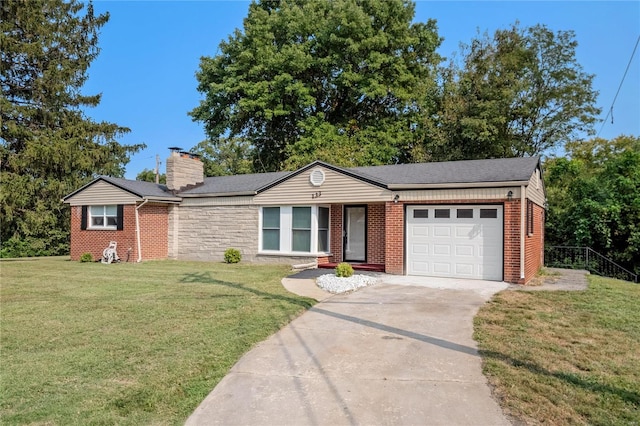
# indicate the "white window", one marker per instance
pixel 103 217
pixel 294 229
pixel 301 229
pixel 323 229
pixel 271 228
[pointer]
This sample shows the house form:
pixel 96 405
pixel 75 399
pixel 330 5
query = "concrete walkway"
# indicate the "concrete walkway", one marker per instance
pixel 399 352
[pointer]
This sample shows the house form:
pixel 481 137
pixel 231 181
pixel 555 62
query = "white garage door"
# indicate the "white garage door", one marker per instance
pixel 462 241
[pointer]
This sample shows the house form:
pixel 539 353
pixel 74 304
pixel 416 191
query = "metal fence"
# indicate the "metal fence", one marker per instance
pixel 585 258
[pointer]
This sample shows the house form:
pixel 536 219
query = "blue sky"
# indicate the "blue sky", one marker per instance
pixel 150 52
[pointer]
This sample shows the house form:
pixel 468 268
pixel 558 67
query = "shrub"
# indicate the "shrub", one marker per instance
pixel 86 257
pixel 232 255
pixel 344 270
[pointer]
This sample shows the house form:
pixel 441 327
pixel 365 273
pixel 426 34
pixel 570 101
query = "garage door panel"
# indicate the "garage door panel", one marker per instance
pixel 464 250
pixel 465 231
pixel 442 249
pixel 441 231
pixel 420 267
pixel 464 269
pixel 441 268
pixel 419 249
pixel 420 231
pixel 469 246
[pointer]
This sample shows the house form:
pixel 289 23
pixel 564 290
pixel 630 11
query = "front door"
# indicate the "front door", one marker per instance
pixel 355 233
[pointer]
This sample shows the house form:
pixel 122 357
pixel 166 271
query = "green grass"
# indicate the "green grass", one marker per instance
pixel 565 357
pixel 128 343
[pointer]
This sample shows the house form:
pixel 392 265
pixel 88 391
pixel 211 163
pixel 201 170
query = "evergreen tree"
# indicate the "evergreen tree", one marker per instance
pixel 48 146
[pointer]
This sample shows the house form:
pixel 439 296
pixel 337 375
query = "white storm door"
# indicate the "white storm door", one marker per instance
pixel 355 231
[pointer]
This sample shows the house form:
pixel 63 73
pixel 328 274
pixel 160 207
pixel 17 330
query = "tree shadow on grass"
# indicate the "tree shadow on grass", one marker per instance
pixel 573 379
pixel 206 278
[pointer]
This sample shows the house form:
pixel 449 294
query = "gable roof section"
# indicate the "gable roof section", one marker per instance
pixel 138 188
pixel 399 176
pixel 453 172
pixel 247 184
pixel 349 172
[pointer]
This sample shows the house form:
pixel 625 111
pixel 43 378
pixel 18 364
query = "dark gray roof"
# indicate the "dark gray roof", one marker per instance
pixel 235 184
pixel 136 187
pixel 467 171
pixel 141 188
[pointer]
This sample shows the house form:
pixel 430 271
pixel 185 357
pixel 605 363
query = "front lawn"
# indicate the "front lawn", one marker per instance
pixel 86 343
pixel 565 357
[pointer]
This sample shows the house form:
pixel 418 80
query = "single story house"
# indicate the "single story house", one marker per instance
pixel 481 219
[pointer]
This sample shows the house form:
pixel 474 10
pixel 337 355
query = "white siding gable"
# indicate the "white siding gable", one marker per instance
pixel 535 189
pixel 100 193
pixel 337 188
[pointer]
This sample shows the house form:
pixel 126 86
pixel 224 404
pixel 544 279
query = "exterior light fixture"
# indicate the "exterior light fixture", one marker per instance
pixel 396 198
pixel 510 195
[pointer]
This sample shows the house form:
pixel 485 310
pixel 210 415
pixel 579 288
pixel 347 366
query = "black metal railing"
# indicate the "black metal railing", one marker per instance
pixel 586 258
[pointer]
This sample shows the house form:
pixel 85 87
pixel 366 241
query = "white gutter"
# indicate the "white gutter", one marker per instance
pixel 399 186
pixel 523 231
pixel 138 231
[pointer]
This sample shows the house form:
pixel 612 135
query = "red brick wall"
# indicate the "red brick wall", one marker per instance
pixel 534 244
pixel 153 232
pixel 336 233
pixel 394 238
pixel 375 233
pixel 512 242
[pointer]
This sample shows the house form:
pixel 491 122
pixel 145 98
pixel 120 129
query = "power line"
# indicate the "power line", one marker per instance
pixel 610 112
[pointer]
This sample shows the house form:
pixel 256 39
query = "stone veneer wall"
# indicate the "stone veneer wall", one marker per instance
pixel 205 232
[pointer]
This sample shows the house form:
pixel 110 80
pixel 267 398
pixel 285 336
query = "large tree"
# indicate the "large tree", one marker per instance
pixel 48 146
pixel 594 198
pixel 519 92
pixel 339 80
pixel 225 156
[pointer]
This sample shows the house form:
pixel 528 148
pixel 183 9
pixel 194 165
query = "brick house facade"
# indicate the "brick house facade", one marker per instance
pixel 197 218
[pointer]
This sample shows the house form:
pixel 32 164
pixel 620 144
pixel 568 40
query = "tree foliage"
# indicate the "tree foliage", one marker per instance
pixel 520 92
pixel 338 80
pixel 48 147
pixel 226 156
pixel 148 175
pixel 594 198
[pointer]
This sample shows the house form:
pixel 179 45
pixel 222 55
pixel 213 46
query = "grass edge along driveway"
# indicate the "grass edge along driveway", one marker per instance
pixel 565 357
pixel 128 343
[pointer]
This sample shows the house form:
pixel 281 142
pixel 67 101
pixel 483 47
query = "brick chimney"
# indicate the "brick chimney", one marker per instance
pixel 183 169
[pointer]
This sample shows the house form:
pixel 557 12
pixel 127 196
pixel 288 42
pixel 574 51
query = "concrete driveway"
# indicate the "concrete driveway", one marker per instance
pixel 399 352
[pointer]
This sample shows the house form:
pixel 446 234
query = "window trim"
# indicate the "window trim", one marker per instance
pixel 328 229
pixel 262 228
pixel 286 231
pixel 309 229
pixel 86 222
pixel 530 221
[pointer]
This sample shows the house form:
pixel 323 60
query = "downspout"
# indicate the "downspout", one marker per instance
pixel 523 199
pixel 138 231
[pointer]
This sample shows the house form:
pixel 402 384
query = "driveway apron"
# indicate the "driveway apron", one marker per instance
pixel 388 354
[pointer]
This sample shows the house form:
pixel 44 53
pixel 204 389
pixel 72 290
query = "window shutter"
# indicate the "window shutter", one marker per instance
pixel 83 220
pixel 120 217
